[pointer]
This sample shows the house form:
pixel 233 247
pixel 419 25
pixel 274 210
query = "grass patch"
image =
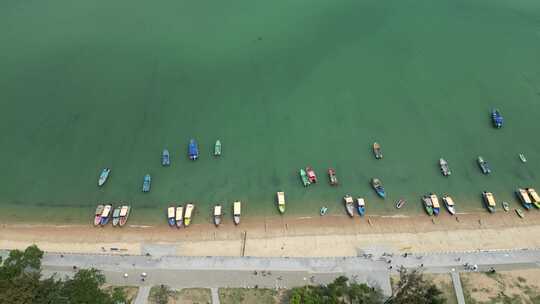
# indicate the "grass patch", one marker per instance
pixel 129 291
pixel 183 296
pixel 507 287
pixel 248 296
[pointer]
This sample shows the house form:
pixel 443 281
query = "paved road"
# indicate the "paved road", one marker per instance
pixel 215 295
pixel 142 295
pixel 457 287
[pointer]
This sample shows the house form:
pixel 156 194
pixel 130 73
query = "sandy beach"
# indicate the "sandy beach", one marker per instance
pixel 294 237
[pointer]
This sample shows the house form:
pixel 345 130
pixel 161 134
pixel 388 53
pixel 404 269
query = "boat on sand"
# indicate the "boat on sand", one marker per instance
pixel 445 169
pixel 97 215
pixel 377 186
pixel 428 206
pixel 188 214
pixel 361 206
pixel 217 215
pixel 524 198
pixel 332 176
pixel 281 202
pixel 236 212
pixel 116 216
pixel 349 205
pixel 304 177
pixel 377 150
pixel 449 204
pixel 311 175
pixel 435 203
pixel 103 176
pixel 489 201
pixel 534 196
pixel 105 215
pixel 179 216
pixel 171 216
pixel 124 215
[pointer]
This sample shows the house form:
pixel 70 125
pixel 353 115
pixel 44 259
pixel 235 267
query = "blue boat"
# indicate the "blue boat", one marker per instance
pixel 524 197
pixel 497 118
pixel 193 150
pixel 361 206
pixel 105 215
pixel 146 183
pixel 165 158
pixel 435 203
pixel 377 186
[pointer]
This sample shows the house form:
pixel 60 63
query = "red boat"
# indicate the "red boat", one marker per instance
pixel 311 175
pixel 332 176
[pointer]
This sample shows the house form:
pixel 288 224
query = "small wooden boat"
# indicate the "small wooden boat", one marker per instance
pixel 179 219
pixel 428 206
pixel 217 148
pixel 165 158
pixel 105 215
pixel 377 186
pixel 332 176
pixel 361 206
pixel 304 177
pixel 435 203
pixel 323 210
pixel 188 214
pixel 400 203
pixel 534 196
pixel 520 213
pixel 217 215
pixel 193 149
pixel 377 151
pixel 97 215
pixel 349 205
pixel 449 204
pixel 497 118
pixel 103 176
pixel 116 216
pixel 522 158
pixel 236 212
pixel 506 206
pixel 311 175
pixel 124 215
pixel 489 201
pixel 281 202
pixel 171 216
pixel 524 198
pixel 445 170
pixel 484 165
pixel 147 181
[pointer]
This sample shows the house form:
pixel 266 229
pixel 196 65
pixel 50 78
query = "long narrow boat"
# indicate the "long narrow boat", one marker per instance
pixel 165 158
pixel 522 158
pixel 304 177
pixel 349 205
pixel 97 215
pixel 124 215
pixel 217 148
pixel 171 216
pixel 428 206
pixel 193 149
pixel 147 182
pixel 281 202
pixel 311 175
pixel 445 169
pixel 524 198
pixel 237 209
pixel 435 203
pixel 484 165
pixel 377 150
pixel 179 218
pixel 497 118
pixel 105 215
pixel 377 186
pixel 332 176
pixel 116 216
pixel 103 176
pixel 535 197
pixel 520 213
pixel 489 201
pixel 188 214
pixel 217 215
pixel 449 204
pixel 400 203
pixel 361 206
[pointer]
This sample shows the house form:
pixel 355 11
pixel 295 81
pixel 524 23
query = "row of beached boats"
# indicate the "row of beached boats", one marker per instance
pixel 106 213
pixel 178 216
pixel 433 207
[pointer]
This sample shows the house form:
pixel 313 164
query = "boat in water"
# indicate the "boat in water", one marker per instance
pixel 217 148
pixel 435 203
pixel 97 215
pixel 520 213
pixel 217 215
pixel 361 206
pixel 105 215
pixel 484 165
pixel 323 210
pixel 304 177
pixel 116 216
pixel 165 158
pixel 534 196
pixel 377 150
pixel 524 198
pixel 179 217
pixel 332 176
pixel 147 181
pixel 489 201
pixel 103 176
pixel 188 214
pixel 497 118
pixel 445 170
pixel 281 202
pixel 237 212
pixel 449 204
pixel 428 206
pixel 312 177
pixel 377 186
pixel 400 203
pixel 349 205
pixel 505 206
pixel 124 215
pixel 171 216
pixel 193 150
pixel 522 158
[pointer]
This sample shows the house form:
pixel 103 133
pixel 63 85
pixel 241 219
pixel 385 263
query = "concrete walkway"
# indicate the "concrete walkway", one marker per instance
pixel 215 295
pixel 142 295
pixel 457 287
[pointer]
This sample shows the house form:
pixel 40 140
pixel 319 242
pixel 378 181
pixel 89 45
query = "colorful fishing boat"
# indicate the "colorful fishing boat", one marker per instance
pixel 400 203
pixel 361 206
pixel 428 206
pixel 332 176
pixel 188 214
pixel 522 158
pixel 124 215
pixel 349 205
pixel 236 212
pixel 377 186
pixel 524 198
pixel 281 202
pixel 193 149
pixel 534 196
pixel 497 118
pixel 484 165
pixel 116 216
pixel 217 215
pixel 217 148
pixel 171 216
pixel 311 175
pixel 505 206
pixel 179 218
pixel 323 210
pixel 304 177
pixel 147 181
pixel 103 176
pixel 105 215
pixel 377 150
pixel 449 204
pixel 435 203
pixel 445 169
pixel 165 158
pixel 489 201
pixel 97 215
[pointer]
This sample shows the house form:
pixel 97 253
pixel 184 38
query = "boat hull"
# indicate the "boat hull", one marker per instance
pixel 236 219
pixel 217 220
pixel 400 203
pixel 350 210
pixel 281 209
pixel 361 211
pixel 97 220
pixel 179 223
pixel 380 193
pixel 104 221
pixel 187 222
pixel 436 211
pixel 323 211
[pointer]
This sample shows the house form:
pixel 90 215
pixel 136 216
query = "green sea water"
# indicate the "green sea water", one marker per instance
pixel 284 84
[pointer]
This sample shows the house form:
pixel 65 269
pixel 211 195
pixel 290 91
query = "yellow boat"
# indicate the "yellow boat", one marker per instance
pixel 535 197
pixel 188 213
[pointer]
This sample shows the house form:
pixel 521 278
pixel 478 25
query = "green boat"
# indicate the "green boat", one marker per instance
pixel 428 205
pixel 217 148
pixel 304 177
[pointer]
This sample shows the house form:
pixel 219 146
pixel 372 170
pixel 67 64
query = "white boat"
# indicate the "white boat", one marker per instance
pixel 349 205
pixel 435 202
pixel 116 216
pixel 281 202
pixel 236 212
pixel 103 176
pixel 171 215
pixel 105 215
pixel 179 216
pixel 97 216
pixel 188 214
pixel 217 215
pixel 124 214
pixel 444 167
pixel 449 204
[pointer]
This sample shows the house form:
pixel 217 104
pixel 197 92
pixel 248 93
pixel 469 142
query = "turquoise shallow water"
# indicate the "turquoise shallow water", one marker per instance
pixel 84 85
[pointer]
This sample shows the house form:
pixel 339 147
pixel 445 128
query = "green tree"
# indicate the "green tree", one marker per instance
pixel 412 288
pixel 161 294
pixel 85 287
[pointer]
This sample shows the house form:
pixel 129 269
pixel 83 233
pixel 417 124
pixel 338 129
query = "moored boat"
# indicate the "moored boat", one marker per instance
pixel 165 158
pixel 147 181
pixel 524 198
pixel 445 169
pixel 534 196
pixel 361 206
pixel 484 165
pixel 520 212
pixel 311 175
pixel 449 204
pixel 332 176
pixel 489 201
pixel 171 216
pixel 281 202
pixel 377 186
pixel 116 216
pixel 124 215
pixel 400 203
pixel 193 149
pixel 522 158
pixel 323 210
pixel 236 212
pixel 428 206
pixel 435 203
pixel 505 206
pixel 217 148
pixel 217 215
pixel 304 177
pixel 188 214
pixel 377 150
pixel 349 205
pixel 179 217
pixel 103 176
pixel 497 118
pixel 97 215
pixel 105 215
